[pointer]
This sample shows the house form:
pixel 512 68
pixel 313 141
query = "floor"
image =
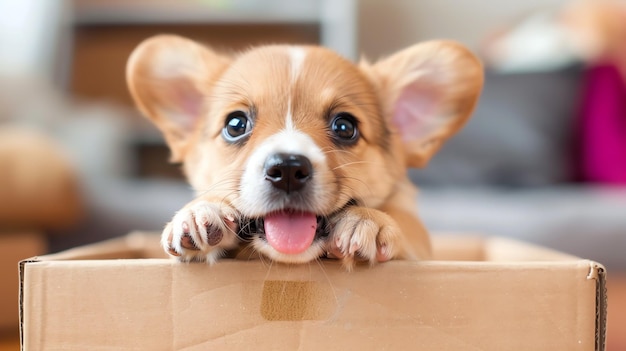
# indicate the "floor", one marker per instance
pixel 616 333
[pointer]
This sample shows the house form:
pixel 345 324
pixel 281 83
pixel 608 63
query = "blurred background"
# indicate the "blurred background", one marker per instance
pixel 542 160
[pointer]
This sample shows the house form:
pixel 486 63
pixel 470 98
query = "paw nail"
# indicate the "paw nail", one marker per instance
pixel 354 248
pixel 185 227
pixel 172 252
pixel 214 236
pixel 187 242
pixel 383 254
pixel 334 253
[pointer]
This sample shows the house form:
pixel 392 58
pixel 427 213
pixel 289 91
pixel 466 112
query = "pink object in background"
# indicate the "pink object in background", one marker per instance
pixel 603 127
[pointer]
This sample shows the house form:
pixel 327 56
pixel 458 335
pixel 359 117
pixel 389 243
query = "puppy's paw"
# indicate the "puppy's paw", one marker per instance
pixel 363 234
pixel 201 231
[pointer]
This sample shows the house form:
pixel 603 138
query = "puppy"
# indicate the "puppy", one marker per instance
pixel 297 152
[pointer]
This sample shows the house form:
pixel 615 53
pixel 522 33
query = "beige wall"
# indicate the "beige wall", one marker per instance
pixel 388 25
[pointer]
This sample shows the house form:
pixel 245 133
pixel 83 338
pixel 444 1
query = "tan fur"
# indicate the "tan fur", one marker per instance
pixel 262 82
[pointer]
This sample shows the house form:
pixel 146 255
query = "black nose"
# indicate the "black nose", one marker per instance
pixel 288 172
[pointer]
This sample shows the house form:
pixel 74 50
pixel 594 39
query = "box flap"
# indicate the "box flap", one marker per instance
pixel 446 247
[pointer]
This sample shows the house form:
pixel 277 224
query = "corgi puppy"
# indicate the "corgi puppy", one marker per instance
pixel 296 152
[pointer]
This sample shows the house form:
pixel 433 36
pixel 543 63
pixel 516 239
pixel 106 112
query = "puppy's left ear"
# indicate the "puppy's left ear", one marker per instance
pixel 428 91
pixel 170 78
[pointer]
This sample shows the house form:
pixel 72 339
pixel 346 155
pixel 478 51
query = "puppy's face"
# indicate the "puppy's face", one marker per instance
pixel 290 135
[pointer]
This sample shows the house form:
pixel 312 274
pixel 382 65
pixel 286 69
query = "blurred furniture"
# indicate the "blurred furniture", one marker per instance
pixel 512 171
pixel 39 194
pixel 335 20
pixel 105 32
pixel 38 185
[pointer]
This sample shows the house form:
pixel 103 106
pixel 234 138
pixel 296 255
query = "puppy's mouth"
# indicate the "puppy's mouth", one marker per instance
pixel 288 235
pixel 288 231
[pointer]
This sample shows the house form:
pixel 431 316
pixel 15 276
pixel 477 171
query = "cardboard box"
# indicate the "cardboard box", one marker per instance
pixel 14 246
pixel 495 295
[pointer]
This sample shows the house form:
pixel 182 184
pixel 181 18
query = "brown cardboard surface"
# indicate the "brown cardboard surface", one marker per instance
pixel 88 298
pixel 15 246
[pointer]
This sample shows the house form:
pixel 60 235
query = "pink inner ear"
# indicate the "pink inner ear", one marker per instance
pixel 415 112
pixel 186 100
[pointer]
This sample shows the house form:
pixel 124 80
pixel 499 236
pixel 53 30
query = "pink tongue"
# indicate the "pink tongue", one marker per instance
pixel 290 232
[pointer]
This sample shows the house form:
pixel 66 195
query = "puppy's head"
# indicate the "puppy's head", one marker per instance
pixel 291 135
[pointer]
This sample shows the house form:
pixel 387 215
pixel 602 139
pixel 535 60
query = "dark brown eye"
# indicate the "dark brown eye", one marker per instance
pixel 237 126
pixel 345 128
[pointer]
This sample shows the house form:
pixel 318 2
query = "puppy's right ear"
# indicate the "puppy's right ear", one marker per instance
pixel 428 90
pixel 168 77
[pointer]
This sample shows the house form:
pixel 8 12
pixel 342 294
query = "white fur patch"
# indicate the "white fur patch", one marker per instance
pixel 289 118
pixel 255 189
pixel 296 57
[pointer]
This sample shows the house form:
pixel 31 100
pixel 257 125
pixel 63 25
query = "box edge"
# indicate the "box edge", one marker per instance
pixel 598 272
pixel 21 265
